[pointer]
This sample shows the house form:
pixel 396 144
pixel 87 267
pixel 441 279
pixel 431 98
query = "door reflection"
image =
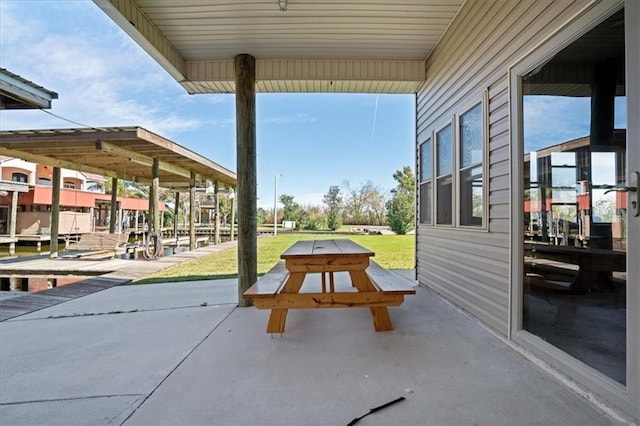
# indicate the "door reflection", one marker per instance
pixel 574 226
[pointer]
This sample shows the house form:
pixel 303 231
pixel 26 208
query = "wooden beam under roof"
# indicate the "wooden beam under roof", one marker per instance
pixel 140 158
pixel 49 161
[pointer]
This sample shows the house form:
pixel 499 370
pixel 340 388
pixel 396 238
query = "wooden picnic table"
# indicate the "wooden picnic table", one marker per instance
pixel 279 289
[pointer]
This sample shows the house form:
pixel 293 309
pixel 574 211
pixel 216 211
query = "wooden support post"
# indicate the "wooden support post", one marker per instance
pixel 155 198
pixel 245 81
pixel 13 214
pixel 216 220
pixel 55 212
pixel 233 216
pixel 192 212
pixel 113 212
pixel 175 217
pixel 150 213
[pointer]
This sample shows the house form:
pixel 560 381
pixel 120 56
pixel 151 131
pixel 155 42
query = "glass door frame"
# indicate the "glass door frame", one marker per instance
pixel 589 380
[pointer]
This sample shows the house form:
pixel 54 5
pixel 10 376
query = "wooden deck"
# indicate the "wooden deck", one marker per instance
pixel 106 274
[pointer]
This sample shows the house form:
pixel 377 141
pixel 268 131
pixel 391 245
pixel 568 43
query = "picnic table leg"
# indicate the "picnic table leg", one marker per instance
pixel 278 317
pixel 380 315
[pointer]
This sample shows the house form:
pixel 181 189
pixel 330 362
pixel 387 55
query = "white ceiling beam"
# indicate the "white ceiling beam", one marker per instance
pixel 200 74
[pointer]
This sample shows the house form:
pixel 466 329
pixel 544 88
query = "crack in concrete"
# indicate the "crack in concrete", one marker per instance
pixel 78 398
pixel 115 312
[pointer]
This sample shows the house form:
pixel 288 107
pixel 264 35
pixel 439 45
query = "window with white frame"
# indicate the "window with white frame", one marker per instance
pixel 470 172
pixel 426 177
pixel 19 177
pixel 452 171
pixel 444 176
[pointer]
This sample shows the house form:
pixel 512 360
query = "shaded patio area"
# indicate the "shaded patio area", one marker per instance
pixel 184 353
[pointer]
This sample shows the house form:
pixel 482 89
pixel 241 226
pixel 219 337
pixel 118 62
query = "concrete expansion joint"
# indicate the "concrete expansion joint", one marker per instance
pixel 146 397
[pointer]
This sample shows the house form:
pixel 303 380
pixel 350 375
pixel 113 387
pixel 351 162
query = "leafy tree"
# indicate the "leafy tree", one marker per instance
pixel 316 219
pixel 377 208
pixel 262 214
pixel 290 207
pixel 333 200
pixel 401 207
pixel 360 202
pixel 294 212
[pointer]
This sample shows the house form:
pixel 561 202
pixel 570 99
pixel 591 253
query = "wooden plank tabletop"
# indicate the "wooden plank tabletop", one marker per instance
pixel 312 248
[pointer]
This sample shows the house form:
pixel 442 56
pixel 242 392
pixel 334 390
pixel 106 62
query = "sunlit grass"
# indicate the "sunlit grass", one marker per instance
pixel 392 252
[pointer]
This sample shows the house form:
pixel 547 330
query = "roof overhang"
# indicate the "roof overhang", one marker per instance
pixel 125 153
pixel 18 93
pixel 349 46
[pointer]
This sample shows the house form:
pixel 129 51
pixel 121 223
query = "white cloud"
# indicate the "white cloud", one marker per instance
pixel 102 79
pixel 290 119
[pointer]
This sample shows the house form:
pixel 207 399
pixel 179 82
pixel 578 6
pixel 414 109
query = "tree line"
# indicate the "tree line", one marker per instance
pixel 365 204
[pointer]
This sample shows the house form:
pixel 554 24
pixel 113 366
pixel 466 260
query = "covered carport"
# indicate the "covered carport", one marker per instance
pixel 18 93
pixel 282 46
pixel 129 153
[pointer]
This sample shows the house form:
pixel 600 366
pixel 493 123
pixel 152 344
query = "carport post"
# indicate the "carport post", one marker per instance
pixel 175 216
pixel 216 220
pixel 155 197
pixel 113 219
pixel 192 212
pixel 245 80
pixel 13 214
pixel 55 213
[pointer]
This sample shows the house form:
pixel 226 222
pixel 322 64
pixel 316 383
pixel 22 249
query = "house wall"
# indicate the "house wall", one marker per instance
pixel 471 267
pixel 40 222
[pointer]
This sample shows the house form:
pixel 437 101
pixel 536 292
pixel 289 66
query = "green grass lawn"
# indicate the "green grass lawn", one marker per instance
pixel 392 252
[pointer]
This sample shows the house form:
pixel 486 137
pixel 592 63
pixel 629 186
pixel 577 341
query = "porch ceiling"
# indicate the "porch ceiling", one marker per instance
pixel 125 153
pixel 352 46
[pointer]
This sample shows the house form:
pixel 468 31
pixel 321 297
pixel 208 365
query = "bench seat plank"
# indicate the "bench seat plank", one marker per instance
pixel 368 299
pixel 269 284
pixel 388 282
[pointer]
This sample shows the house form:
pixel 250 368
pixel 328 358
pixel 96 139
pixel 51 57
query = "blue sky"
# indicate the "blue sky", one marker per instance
pixel 104 79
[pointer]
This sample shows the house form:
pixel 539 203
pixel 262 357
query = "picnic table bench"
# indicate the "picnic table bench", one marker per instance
pixel 279 289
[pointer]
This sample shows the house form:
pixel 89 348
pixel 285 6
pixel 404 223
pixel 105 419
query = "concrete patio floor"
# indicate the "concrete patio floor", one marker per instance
pixel 183 353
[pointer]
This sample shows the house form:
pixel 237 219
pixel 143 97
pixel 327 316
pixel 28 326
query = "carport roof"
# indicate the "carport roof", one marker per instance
pixel 121 152
pixel 19 93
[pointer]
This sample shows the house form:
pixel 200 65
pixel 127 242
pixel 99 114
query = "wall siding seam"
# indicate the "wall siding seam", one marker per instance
pixel 430 233
pixel 437 277
pixel 492 276
pixel 473 307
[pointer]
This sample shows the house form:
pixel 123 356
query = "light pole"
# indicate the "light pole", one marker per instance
pixel 275 205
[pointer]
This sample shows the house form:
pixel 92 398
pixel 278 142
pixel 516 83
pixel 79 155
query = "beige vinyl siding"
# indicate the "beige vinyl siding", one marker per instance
pixel 470 267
